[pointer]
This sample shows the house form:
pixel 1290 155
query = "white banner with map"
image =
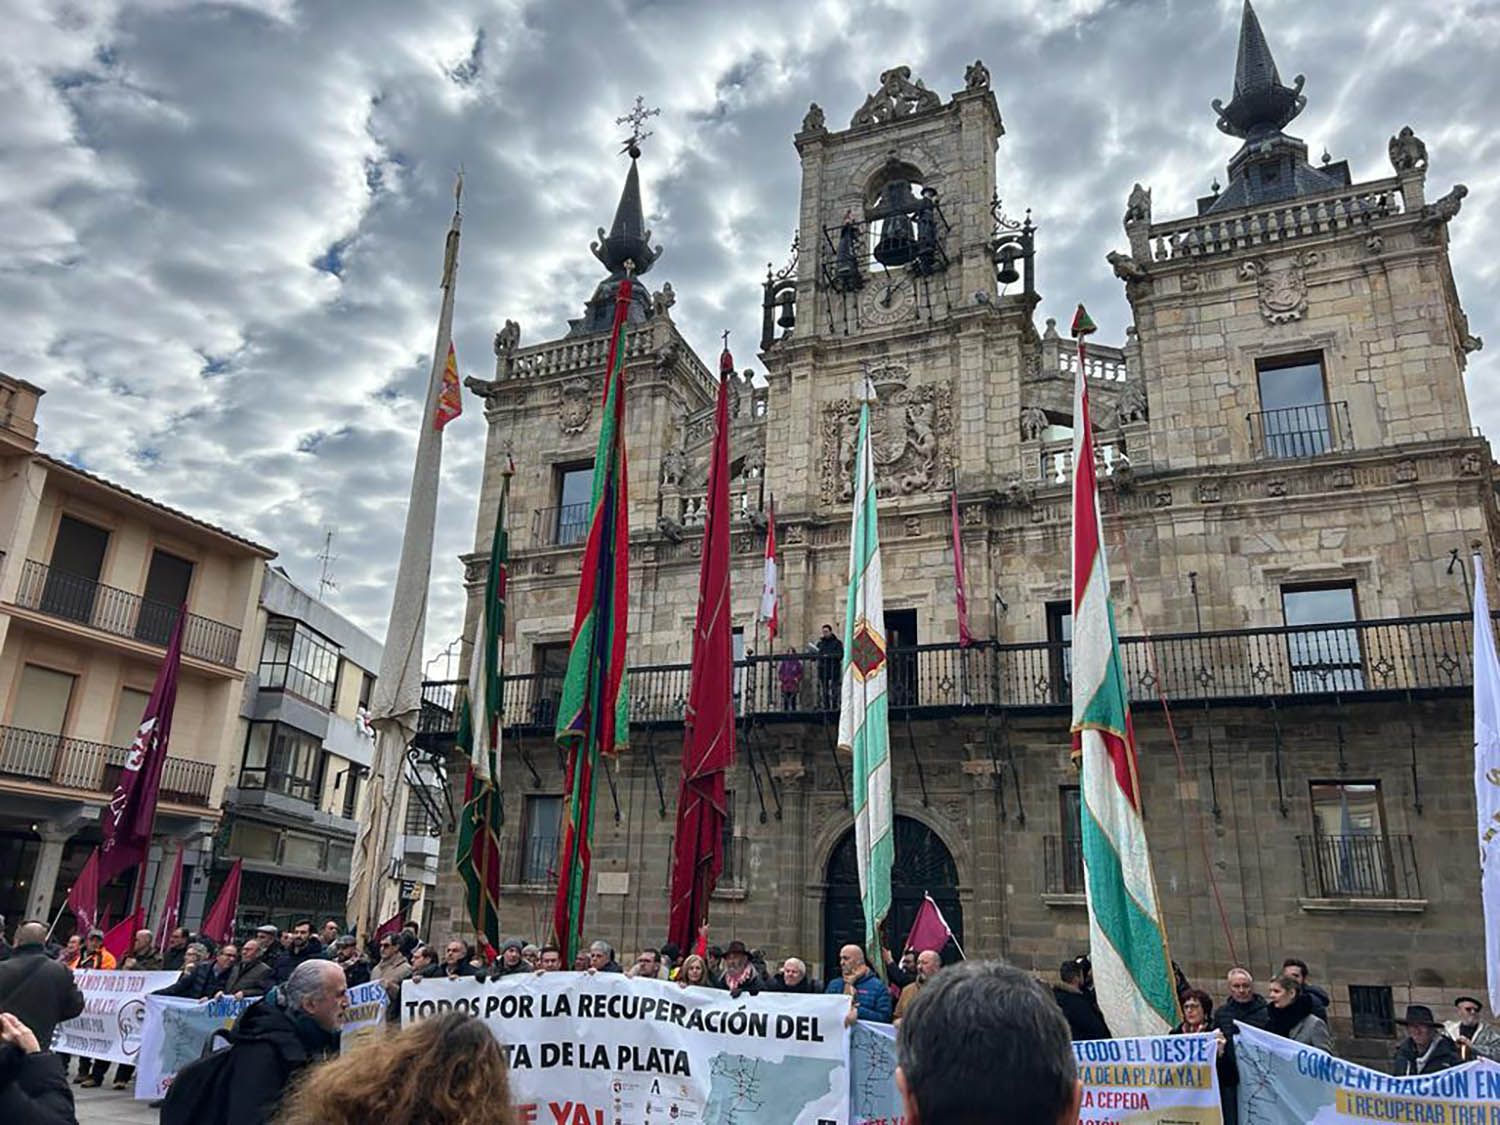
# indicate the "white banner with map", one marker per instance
pixel 174 1033
pixel 114 1010
pixel 1284 1083
pixel 589 1047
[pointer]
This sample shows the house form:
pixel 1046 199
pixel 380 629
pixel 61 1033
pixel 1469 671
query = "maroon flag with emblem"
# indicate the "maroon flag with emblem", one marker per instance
pixel 708 748
pixel 83 895
pixel 126 823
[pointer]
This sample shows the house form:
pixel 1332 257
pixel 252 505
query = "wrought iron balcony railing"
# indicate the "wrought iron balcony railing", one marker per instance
pixel 1369 866
pixel 53 759
pixel 75 598
pixel 562 526
pixel 1381 657
pixel 1300 431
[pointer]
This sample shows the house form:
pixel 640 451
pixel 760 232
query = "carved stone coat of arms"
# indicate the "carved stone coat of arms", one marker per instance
pixel 911 437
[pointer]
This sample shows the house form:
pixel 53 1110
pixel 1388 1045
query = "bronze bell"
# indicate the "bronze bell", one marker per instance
pixel 1007 274
pixel 897 245
pixel 788 318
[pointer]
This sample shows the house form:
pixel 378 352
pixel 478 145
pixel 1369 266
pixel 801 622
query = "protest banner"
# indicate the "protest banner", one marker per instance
pixel 1150 1081
pixel 873 1096
pixel 366 1016
pixel 1283 1082
pixel 174 1033
pixel 114 1007
pixel 590 1049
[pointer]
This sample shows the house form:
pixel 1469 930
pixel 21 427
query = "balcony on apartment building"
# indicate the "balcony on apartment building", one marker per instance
pixel 86 601
pixel 72 763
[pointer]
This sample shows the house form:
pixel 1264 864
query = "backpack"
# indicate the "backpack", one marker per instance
pixel 205 1091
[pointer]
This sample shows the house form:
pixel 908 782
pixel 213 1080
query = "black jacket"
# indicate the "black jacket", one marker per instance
pixel 34 1089
pixel 288 960
pixel 173 958
pixel 1444 1054
pixel 356 972
pixel 38 991
pixel 1255 1012
pixel 203 983
pixel 270 1046
pixel 1084 1021
pixel 806 984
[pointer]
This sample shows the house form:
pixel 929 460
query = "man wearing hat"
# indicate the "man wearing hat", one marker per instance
pixel 1425 1050
pixel 739 973
pixel 510 960
pixel 1475 1038
pixel 344 950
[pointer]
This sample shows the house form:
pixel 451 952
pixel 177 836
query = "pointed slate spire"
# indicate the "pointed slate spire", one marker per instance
pixel 1261 103
pixel 628 239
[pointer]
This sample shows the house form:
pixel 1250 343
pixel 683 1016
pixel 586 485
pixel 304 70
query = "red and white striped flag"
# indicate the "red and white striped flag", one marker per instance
pixel 770 593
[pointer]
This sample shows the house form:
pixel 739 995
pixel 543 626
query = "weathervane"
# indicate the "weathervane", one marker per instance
pixel 635 119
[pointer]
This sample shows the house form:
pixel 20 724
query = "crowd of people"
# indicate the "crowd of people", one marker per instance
pixel 303 976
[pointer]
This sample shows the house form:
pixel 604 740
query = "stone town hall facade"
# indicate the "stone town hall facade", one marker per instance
pixel 1287 465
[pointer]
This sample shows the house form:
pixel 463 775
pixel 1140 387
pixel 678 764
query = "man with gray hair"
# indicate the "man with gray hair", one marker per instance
pixel 602 958
pixel 792 977
pixel 296 1025
pixel 984 1042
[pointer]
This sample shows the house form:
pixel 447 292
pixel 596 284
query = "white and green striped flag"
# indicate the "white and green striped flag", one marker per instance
pixel 863 727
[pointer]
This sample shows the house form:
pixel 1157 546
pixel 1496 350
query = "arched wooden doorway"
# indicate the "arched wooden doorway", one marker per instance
pixel 923 865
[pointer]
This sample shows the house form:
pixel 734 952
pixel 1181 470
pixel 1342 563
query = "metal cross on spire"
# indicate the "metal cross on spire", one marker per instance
pixel 635 119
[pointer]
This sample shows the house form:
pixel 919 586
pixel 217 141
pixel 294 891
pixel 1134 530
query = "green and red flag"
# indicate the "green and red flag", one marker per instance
pixel 479 724
pixel 593 717
pixel 1127 939
pixel 708 748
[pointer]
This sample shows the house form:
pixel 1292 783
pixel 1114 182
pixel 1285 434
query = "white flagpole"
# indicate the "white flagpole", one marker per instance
pixel 1487 774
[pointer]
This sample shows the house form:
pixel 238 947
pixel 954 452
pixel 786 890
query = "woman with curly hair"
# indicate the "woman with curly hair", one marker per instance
pixel 448 1070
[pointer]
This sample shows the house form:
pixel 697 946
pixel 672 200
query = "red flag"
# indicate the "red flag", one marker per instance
pixel 126 824
pixel 450 403
pixel 218 926
pixel 698 857
pixel 83 895
pixel 770 591
pixel 965 638
pixel 391 925
pixel 121 938
pixel 930 930
pixel 168 921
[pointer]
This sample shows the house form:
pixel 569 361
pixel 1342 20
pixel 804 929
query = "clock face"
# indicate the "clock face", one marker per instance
pixel 888 300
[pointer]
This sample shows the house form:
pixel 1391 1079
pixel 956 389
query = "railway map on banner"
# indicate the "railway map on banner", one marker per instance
pixel 1285 1083
pixel 585 1048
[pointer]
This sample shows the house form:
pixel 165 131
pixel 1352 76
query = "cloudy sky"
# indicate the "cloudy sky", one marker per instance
pixel 221 224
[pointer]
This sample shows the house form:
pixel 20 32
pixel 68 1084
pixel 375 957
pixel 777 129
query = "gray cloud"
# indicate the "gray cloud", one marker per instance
pixel 221 225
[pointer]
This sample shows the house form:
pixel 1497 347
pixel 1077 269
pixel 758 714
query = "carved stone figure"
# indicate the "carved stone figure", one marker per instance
pixel 897 97
pixel 1017 493
pixel 674 464
pixel 1126 268
pixel 813 122
pixel 671 530
pixel 976 76
pixel 1446 208
pixel 663 300
pixel 1283 289
pixel 666 355
pixel 910 436
pixel 1472 343
pixel 508 339
pixel 1407 151
pixel 575 405
pixel 1138 206
pixel 1131 405
pixel 1033 421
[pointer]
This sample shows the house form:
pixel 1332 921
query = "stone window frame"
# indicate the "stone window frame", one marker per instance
pixel 1246 375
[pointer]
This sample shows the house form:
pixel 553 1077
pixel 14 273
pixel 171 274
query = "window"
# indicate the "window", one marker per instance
pixel 249 840
pixel 575 487
pixel 42 699
pixel 1373 1010
pixel 296 659
pixel 128 716
pixel 284 760
pixel 1060 654
pixel 302 851
pixel 550 664
pixel 1350 854
pixel 353 775
pixel 541 834
pixel 737 656
pixel 901 641
pixel 1295 418
pixel 729 847
pixel 1070 848
pixel 1323 659
pixel 167 585
pixel 73 573
pixel 366 690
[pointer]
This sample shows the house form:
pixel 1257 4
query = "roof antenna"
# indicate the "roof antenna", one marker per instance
pixel 327 558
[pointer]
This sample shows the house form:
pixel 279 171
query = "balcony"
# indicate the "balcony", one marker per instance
pixel 530 861
pixel 87 602
pixel 1361 659
pixel 562 526
pixel 1296 432
pixel 1359 867
pixel 1062 872
pixel 51 759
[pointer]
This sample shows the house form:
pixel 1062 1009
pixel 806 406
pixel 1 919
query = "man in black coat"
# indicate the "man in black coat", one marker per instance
pixel 176 951
pixel 33 1086
pixel 305 947
pixel 34 988
pixel 251 974
pixel 1244 1004
pixel 792 977
pixel 830 669
pixel 1084 1020
pixel 208 979
pixel 271 1043
pixel 1426 1048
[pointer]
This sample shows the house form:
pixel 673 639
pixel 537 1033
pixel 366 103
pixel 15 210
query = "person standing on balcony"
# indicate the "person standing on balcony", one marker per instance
pixel 830 668
pixel 789 674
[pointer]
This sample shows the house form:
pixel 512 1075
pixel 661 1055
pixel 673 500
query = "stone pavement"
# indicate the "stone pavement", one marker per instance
pixel 104 1106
